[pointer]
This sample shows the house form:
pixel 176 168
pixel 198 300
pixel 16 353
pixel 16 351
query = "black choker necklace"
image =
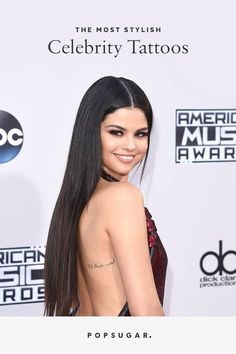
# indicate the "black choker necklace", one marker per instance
pixel 108 177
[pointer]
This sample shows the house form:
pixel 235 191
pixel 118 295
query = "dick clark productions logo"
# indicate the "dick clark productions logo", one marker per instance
pixel 219 268
pixel 11 137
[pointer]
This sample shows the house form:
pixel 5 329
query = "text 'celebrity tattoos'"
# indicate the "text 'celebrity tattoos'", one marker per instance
pixel 101 265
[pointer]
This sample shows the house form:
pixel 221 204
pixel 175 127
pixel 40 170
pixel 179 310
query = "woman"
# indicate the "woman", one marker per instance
pixel 103 255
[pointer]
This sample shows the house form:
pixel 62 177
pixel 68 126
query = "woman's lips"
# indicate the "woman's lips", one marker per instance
pixel 125 158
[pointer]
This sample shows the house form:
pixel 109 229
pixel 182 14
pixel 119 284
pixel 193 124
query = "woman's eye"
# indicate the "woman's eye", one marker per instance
pixel 116 132
pixel 120 133
pixel 142 134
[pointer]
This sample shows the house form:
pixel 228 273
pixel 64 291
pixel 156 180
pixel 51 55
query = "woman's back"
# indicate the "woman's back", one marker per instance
pixel 100 288
pixel 114 264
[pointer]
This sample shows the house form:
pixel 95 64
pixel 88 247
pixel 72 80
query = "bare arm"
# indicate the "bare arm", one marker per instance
pixel 126 226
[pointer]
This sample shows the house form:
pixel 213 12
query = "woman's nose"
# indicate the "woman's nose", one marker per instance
pixel 129 143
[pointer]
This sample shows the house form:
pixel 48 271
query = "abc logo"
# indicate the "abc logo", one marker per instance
pixel 220 258
pixel 11 137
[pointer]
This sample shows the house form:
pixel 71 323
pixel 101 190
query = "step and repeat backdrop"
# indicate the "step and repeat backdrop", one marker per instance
pixel 183 56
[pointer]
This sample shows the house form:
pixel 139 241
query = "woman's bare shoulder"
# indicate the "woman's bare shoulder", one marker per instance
pixel 122 193
pixel 121 199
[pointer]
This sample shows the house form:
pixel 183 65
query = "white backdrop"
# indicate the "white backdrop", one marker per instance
pixel 192 203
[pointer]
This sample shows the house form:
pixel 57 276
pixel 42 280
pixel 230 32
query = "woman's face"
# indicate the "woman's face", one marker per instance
pixel 124 137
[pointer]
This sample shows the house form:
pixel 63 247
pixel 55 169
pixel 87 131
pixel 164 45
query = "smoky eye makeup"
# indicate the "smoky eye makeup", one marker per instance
pixel 141 134
pixel 115 132
pixel 120 133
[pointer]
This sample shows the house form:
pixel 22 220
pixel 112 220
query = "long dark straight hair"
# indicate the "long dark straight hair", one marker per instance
pixel 82 174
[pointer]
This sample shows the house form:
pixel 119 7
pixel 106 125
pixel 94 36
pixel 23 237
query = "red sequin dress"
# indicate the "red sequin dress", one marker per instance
pixel 159 261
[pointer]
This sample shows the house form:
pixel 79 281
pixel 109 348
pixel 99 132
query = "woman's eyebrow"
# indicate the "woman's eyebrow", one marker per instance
pixel 145 128
pixel 121 128
pixel 115 126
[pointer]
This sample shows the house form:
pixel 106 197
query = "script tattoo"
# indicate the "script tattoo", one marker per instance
pixel 101 265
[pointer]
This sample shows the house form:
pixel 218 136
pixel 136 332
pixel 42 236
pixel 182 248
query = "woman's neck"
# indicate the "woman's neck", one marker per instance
pixel 108 177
